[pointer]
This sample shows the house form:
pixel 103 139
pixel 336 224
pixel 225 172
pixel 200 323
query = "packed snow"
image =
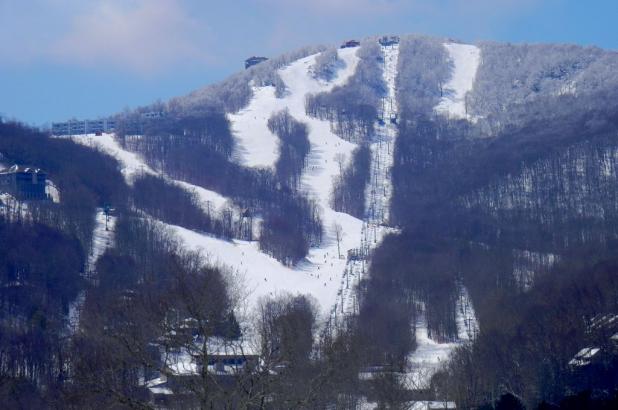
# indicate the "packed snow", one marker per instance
pixel 263 275
pixel 428 357
pixel 132 165
pixel 378 192
pixel 210 200
pixel 321 273
pixel 466 59
pixel 102 240
pixel 256 145
pixel 431 355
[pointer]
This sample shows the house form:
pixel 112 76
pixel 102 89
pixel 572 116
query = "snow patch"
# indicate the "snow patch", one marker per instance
pixel 584 356
pixel 210 200
pixel 52 191
pixel 102 238
pixel 430 356
pixel 466 59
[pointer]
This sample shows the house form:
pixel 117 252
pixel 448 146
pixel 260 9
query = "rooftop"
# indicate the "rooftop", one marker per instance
pixel 21 169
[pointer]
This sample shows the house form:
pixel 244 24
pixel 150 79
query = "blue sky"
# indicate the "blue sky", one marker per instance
pixel 88 58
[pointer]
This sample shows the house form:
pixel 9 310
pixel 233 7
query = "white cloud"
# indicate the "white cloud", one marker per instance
pixel 141 35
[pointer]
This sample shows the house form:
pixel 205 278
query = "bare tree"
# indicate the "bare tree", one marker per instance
pixel 340 159
pixel 338 229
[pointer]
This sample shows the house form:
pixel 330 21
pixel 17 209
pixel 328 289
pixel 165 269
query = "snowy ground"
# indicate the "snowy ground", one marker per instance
pixel 466 59
pixel 430 355
pixel 102 239
pixel 133 165
pixel 321 273
pixel 325 273
pixel 52 190
pixel 257 146
pixel 264 275
pixel 378 192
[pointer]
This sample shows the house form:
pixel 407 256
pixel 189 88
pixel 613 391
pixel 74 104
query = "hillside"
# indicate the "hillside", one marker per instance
pixel 397 222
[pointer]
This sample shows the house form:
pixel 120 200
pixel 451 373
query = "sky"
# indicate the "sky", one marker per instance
pixel 62 59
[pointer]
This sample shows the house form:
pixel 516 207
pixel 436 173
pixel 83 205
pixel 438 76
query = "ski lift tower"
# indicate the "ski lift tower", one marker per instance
pixel 107 210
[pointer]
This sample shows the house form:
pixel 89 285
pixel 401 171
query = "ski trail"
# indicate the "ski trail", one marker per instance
pixel 132 165
pixel 102 239
pixel 430 355
pixel 466 59
pixel 321 272
pixel 378 194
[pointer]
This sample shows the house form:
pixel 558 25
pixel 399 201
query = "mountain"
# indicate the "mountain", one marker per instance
pixel 403 220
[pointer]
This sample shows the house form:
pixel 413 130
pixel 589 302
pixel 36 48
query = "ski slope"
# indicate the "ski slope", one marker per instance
pixel 262 275
pixel 321 273
pixel 378 193
pixel 466 59
pixel 102 239
pixel 431 355
pixel 132 165
pixel 256 145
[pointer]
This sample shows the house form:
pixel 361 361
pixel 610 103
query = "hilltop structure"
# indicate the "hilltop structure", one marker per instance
pixel 24 183
pixel 79 127
pixel 251 61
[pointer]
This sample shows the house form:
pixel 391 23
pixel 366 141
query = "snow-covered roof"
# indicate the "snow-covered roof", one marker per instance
pixel 183 362
pixel 583 357
pixel 159 386
pixel 21 168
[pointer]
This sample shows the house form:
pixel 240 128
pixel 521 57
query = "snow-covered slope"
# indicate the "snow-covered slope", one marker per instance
pixel 430 355
pixel 263 275
pixel 321 273
pixel 102 238
pixel 133 165
pixel 465 59
pixel 257 146
pixel 377 193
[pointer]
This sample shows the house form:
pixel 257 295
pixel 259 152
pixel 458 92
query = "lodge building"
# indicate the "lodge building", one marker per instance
pixel 24 183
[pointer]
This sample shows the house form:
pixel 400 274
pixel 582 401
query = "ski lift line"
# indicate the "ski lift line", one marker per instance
pixel 377 195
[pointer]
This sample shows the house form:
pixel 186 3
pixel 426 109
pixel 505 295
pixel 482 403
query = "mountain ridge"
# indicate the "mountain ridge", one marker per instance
pixel 406 219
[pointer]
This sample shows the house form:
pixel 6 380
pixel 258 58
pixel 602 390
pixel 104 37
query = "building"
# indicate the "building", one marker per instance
pixel 251 61
pixel 350 44
pixel 153 115
pixel 389 41
pixel 24 183
pixel 182 367
pixel 79 127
